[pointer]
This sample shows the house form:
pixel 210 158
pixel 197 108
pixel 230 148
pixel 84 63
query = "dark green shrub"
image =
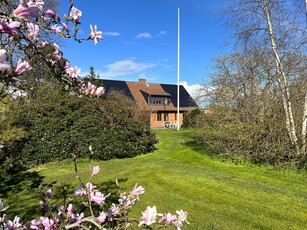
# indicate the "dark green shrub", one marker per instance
pixel 57 125
pixel 190 119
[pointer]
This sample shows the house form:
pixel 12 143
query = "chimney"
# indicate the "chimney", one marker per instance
pixel 142 81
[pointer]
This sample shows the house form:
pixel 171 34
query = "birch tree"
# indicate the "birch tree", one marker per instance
pixel 268 23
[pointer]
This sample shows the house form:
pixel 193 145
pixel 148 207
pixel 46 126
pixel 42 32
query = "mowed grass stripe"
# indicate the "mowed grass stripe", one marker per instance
pixel 179 175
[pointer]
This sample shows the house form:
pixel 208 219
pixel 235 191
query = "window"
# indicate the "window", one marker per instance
pixel 153 100
pixel 166 117
pixel 159 116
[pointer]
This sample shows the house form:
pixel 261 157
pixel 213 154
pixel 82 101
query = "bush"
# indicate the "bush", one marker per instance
pixel 226 133
pixel 190 119
pixel 57 125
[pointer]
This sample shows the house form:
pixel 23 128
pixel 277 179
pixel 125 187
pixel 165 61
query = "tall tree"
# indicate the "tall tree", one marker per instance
pixel 268 23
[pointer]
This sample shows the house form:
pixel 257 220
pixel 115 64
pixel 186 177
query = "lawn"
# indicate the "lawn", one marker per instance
pixel 179 175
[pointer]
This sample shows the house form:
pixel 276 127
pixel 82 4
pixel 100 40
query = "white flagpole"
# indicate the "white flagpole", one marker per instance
pixel 178 72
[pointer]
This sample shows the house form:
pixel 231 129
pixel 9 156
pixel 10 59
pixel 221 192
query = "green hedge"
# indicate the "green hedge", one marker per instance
pixel 57 125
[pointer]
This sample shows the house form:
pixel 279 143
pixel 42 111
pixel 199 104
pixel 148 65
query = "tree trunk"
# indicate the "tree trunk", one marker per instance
pixel 282 80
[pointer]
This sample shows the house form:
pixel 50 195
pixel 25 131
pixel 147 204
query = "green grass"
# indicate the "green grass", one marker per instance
pixel 179 175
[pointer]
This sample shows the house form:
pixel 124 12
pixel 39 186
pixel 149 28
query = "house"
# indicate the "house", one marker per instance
pixel 158 99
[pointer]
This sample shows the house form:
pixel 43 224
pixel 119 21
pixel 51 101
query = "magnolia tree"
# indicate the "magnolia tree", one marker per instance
pixel 22 24
pixel 21 28
pixel 98 215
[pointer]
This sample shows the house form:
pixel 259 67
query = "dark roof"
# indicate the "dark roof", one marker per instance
pixel 169 90
pixel 185 99
pixel 112 85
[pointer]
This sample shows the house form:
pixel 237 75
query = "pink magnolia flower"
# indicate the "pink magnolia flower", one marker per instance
pixel 95 35
pixel 52 14
pixel 70 210
pixel 91 88
pixel 35 224
pixel 102 217
pixel 56 28
pixel 100 91
pixel 65 27
pixel 1 207
pixel 73 72
pixel 22 66
pixel 149 216
pixel 168 218
pixel 90 187
pixel 178 224
pixel 33 30
pixel 80 192
pixel 9 28
pixel 47 223
pixel 36 3
pixel 137 190
pixel 13 224
pixel 3 66
pixel 95 170
pixel 75 14
pixel 98 197
pixel 182 216
pixel 21 11
pixel 29 9
pixel 44 43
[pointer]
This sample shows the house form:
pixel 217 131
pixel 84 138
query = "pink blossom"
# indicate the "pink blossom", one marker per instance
pixel 182 216
pixel 33 30
pixel 13 224
pixel 3 56
pixel 73 72
pixel 1 207
pixel 75 14
pixel 35 224
pixel 100 91
pixel 70 210
pixel 22 66
pixel 47 223
pixel 114 209
pixel 90 187
pixel 91 88
pixel 149 216
pixel 36 3
pixel 65 27
pixel 178 224
pixel 95 35
pixel 21 11
pixel 80 192
pixel 95 170
pixel 168 218
pixel 50 12
pixel 137 190
pixel 102 217
pixel 44 43
pixel 56 28
pixel 98 197
pixel 9 28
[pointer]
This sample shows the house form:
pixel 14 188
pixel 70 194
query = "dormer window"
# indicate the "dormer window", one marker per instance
pixel 156 100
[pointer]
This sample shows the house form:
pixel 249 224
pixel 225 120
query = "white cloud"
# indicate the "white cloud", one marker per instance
pixel 161 33
pixel 193 90
pixel 144 36
pixel 111 34
pixel 125 67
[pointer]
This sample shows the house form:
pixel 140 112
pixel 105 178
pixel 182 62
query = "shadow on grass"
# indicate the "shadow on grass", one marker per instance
pixel 19 181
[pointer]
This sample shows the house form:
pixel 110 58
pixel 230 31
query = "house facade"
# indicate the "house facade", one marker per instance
pixel 160 100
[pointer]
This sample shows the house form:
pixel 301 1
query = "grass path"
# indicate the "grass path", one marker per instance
pixel 217 195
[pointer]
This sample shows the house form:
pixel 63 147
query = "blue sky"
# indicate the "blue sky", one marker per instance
pixel 140 39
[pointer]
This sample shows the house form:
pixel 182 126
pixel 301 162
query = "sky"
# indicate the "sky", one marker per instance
pixel 140 39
